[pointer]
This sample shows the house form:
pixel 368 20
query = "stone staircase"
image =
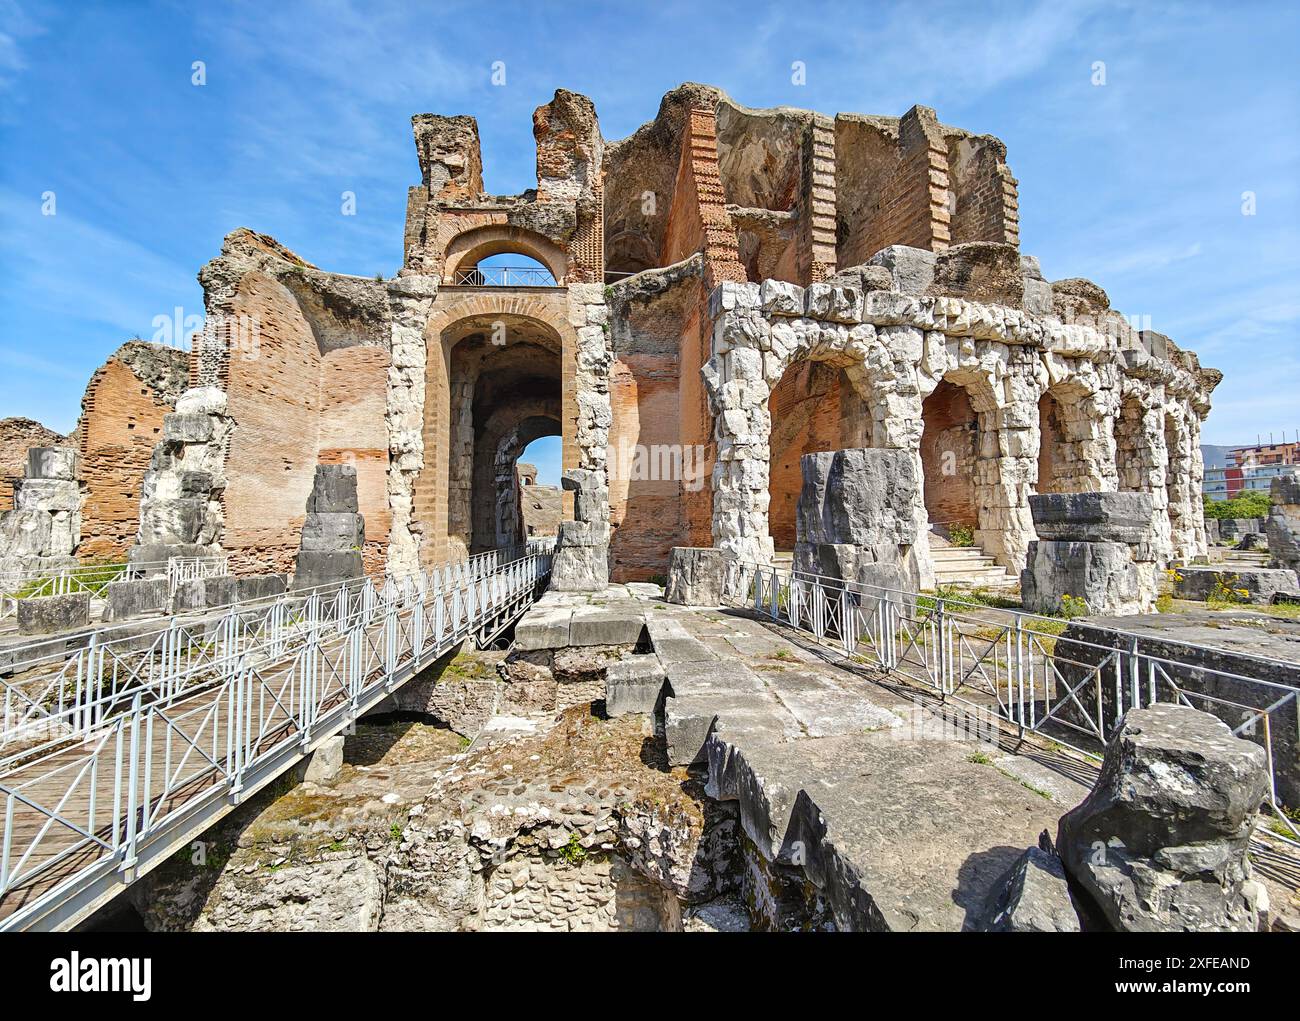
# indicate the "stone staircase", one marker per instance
pixel 967 567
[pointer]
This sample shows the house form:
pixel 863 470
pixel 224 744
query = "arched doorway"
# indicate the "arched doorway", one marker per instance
pixel 495 381
pixel 949 450
pixel 813 407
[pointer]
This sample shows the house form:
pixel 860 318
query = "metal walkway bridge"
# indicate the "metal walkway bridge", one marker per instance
pixel 113 758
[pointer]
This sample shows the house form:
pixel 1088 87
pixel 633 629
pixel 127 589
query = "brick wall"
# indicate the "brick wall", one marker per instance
pixel 698 221
pixel 948 452
pixel 293 408
pixel 121 422
pixel 987 204
pixel 817 227
pixel 353 430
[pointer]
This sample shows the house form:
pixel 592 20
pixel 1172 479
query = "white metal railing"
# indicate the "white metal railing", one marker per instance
pixel 504 276
pixel 61 696
pixel 105 805
pixel 183 569
pixel 94 579
pixel 1015 665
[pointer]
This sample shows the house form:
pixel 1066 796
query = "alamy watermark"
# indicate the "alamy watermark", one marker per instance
pixel 658 462
pixel 239 334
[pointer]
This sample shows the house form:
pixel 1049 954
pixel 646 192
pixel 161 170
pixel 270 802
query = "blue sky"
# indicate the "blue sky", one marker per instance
pixel 1136 183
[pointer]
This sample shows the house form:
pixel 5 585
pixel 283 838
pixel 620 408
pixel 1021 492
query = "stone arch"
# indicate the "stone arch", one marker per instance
pixel 817 398
pixel 958 449
pixel 465 250
pixel 1076 437
pixel 504 436
pixel 535 361
pixel 1141 459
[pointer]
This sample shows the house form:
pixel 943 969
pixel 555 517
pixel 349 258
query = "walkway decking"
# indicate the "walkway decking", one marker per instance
pixel 84 816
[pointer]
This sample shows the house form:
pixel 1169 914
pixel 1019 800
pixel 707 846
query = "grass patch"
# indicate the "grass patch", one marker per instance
pixel 979 759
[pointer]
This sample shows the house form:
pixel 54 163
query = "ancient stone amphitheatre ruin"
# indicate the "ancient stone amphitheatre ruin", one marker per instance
pixel 807 386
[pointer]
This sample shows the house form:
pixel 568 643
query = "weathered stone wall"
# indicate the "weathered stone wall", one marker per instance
pixel 896 349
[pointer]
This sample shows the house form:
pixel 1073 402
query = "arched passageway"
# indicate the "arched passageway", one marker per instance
pixel 813 407
pixel 494 383
pixel 949 450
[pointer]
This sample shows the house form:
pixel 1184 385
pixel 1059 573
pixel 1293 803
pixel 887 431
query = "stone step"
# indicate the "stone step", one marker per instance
pixel 956 552
pixel 965 564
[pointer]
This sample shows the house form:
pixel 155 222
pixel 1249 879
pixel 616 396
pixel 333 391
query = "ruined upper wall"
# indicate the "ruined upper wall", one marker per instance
pixel 806 193
pixel 451 222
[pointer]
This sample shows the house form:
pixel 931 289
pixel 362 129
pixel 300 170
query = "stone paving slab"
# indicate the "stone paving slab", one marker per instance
pixel 824 709
pixel 904 820
pixel 898 834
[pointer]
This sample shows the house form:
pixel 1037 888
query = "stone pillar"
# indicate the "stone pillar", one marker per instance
pixel 856 517
pixel 1006 528
pixel 1184 490
pixel 1283 525
pixel 333 533
pixel 44 528
pixel 741 476
pixel 410 299
pixel 181 511
pixel 581 561
pixel 1093 547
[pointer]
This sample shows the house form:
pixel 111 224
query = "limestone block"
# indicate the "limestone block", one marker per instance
pixel 579 568
pixel 543 628
pixel 865 278
pixel 912 269
pixel 228 590
pixel 1035 897
pixel 334 490
pixel 877 567
pixel 1038 297
pixel 46 494
pixel 136 596
pixel 191 427
pixel 862 497
pixel 634 684
pixel 52 463
pixel 149 560
pixel 1102 574
pixel 695 576
pixel 24 533
pixel 189 595
pixel 183 521
pixel 780 298
pixel 1093 517
pixel 324 761
pixel 326 570
pixel 605 627
pixel 339 531
pixel 1160 842
pixel 1259 585
pixel 47 615
pixel 837 303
